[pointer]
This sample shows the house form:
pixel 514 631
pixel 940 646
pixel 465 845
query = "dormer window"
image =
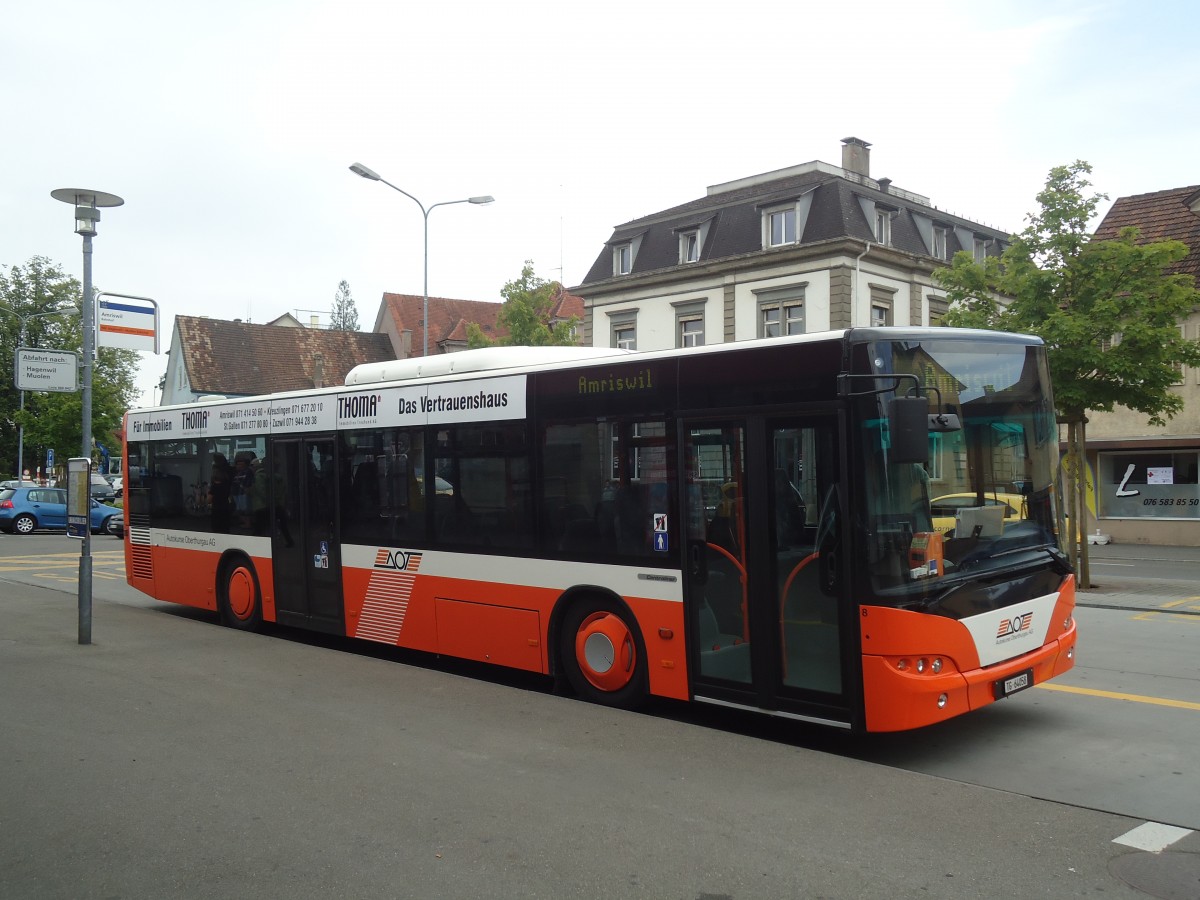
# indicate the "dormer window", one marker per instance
pixel 979 249
pixel 938 248
pixel 622 259
pixel 883 227
pixel 780 225
pixel 689 247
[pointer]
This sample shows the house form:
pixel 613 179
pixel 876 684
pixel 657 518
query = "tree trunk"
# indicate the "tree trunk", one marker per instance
pixel 1084 569
pixel 1072 524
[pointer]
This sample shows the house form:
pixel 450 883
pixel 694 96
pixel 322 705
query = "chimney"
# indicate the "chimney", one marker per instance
pixel 884 184
pixel 856 156
pixel 318 369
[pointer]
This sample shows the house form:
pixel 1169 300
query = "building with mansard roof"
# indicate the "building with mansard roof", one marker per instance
pixel 808 248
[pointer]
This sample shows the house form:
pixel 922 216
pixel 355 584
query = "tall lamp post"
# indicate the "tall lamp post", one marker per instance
pixel 61 311
pixel 87 213
pixel 360 169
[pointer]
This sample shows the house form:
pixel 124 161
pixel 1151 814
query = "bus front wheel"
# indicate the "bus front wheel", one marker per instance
pixel 239 597
pixel 602 654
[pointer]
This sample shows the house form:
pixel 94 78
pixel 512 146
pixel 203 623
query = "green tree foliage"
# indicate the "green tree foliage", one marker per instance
pixel 53 420
pixel 528 305
pixel 1107 311
pixel 344 315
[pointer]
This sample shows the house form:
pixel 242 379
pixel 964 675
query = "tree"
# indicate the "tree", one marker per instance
pixel 53 420
pixel 344 315
pixel 1106 309
pixel 526 315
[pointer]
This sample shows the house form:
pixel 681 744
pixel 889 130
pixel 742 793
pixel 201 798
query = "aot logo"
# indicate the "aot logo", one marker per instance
pixel 1011 628
pixel 397 560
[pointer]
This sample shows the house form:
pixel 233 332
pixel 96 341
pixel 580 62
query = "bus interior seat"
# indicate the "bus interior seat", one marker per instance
pixel 722 655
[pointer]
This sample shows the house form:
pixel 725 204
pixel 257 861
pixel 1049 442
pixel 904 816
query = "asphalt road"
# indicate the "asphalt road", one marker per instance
pixel 176 758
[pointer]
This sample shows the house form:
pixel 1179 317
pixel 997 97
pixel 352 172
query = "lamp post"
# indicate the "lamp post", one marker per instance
pixel 360 169
pixel 87 213
pixel 63 310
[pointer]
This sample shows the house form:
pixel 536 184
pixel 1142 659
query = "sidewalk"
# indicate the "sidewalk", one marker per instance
pixel 1112 587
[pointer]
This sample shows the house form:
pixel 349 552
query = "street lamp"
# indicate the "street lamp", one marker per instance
pixel 371 175
pixel 61 311
pixel 87 213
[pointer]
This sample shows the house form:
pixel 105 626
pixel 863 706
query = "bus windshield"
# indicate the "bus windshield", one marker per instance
pixel 984 499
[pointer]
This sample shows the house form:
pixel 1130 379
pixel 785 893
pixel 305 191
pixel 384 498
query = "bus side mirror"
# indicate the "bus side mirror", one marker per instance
pixel 908 428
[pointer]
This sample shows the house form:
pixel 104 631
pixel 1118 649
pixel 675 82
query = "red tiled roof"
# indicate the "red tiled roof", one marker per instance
pixel 567 305
pixel 240 359
pixel 1159 216
pixel 447 318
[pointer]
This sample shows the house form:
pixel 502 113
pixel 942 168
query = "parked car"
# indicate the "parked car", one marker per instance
pixel 24 510
pixel 101 489
pixel 945 509
pixel 14 483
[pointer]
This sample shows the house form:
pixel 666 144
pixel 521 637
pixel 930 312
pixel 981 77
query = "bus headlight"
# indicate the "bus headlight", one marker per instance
pixel 937 666
pixel 942 701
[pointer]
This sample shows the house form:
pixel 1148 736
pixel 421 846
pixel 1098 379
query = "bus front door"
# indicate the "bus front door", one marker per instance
pixel 308 571
pixel 761 518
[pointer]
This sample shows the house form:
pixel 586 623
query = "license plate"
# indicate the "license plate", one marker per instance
pixel 1006 687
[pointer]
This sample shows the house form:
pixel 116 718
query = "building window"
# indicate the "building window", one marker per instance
pixel 979 249
pixel 938 250
pixel 689 323
pixel 778 319
pixel 781 226
pixel 883 227
pixel 622 259
pixel 1149 484
pixel 691 332
pixel 882 305
pixel 780 310
pixel 938 307
pixel 623 333
pixel 689 247
pixel 1180 370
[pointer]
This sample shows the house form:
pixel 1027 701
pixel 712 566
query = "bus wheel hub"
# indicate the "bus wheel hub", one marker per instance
pixel 241 593
pixel 605 652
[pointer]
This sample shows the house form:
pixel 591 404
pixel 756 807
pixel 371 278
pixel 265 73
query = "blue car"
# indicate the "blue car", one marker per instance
pixel 23 510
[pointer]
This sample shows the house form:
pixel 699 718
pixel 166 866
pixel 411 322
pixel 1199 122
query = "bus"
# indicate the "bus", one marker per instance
pixel 749 524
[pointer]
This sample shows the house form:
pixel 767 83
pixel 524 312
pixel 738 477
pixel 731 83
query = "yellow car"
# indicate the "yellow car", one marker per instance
pixel 944 509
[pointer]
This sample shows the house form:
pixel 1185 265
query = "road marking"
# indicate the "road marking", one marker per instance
pixel 1119 565
pixel 1172 606
pixel 1115 695
pixel 1152 836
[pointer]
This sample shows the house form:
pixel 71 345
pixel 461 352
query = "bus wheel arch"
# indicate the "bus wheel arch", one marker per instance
pixel 600 648
pixel 239 595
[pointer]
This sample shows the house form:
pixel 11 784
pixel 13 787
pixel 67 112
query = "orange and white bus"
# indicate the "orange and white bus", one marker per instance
pixel 746 524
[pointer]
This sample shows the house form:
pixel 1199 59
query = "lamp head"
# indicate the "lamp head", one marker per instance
pixel 360 169
pixel 482 201
pixel 87 206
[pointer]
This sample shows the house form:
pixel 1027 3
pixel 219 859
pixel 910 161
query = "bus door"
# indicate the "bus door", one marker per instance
pixel 308 571
pixel 762 539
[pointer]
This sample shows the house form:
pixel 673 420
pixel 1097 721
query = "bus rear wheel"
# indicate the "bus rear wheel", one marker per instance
pixel 603 655
pixel 238 595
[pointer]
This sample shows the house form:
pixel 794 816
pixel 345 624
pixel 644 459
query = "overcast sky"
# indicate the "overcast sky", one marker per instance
pixel 228 128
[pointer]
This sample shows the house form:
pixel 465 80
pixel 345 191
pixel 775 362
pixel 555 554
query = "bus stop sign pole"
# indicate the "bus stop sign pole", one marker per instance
pixel 79 522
